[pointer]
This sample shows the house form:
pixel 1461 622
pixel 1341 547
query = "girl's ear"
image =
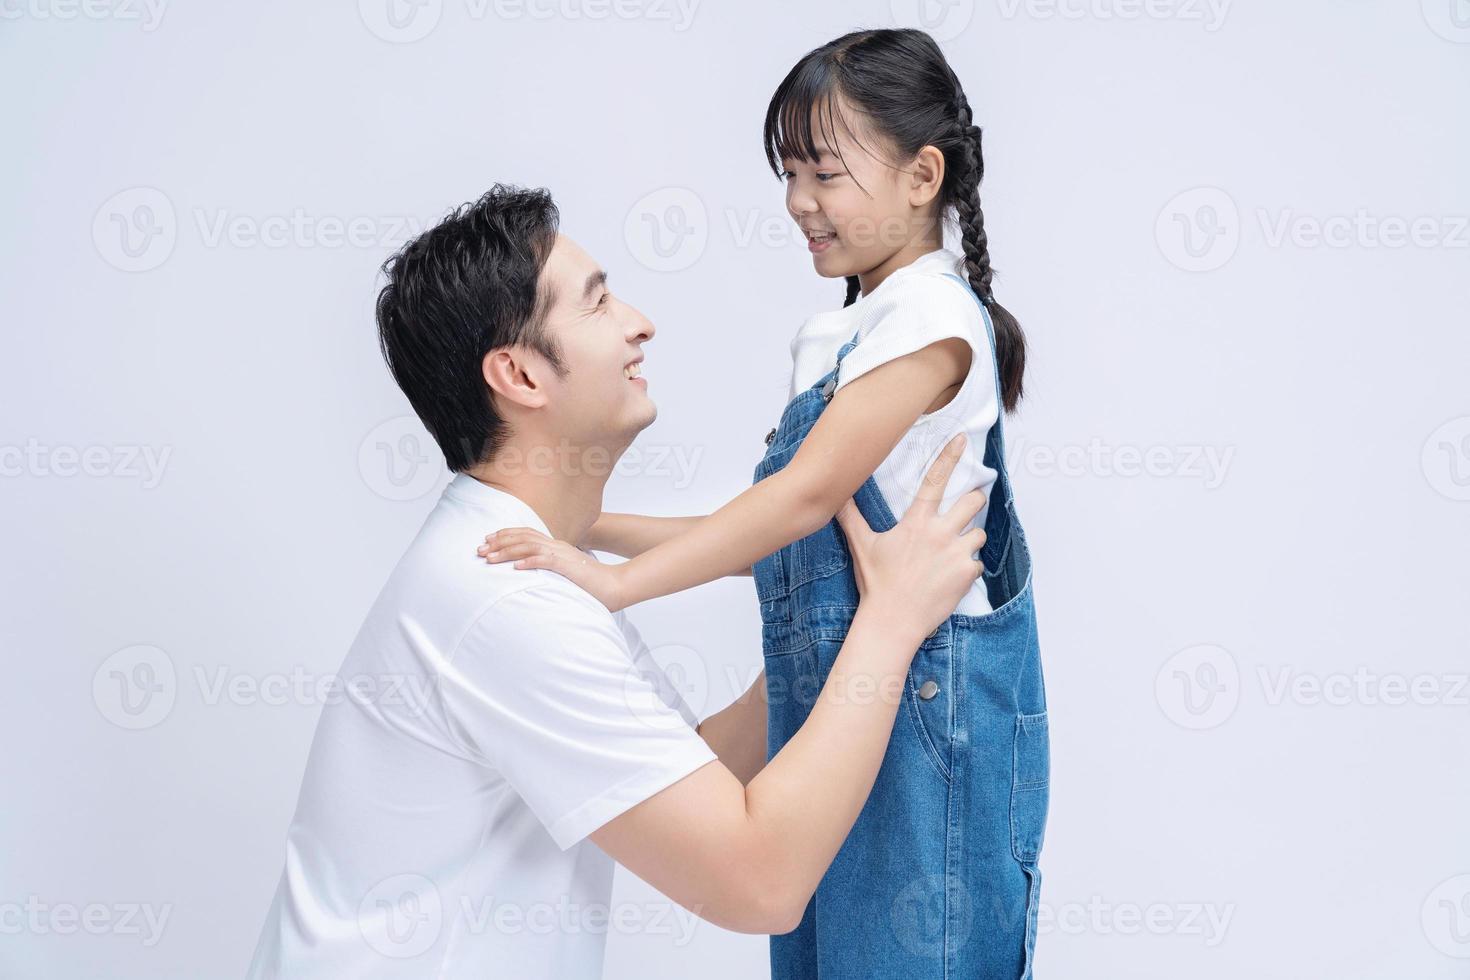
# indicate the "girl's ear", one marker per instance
pixel 514 374
pixel 926 176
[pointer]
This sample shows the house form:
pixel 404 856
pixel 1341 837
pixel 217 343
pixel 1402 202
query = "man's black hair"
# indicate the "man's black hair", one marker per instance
pixel 467 286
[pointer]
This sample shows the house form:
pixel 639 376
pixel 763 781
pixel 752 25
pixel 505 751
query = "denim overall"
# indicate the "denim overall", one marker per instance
pixel 939 876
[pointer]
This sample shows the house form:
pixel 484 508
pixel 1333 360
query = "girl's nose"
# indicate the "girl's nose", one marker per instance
pixel 799 203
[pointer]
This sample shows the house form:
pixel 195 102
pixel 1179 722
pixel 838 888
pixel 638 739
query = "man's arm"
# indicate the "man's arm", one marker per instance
pixel 749 857
pixel 737 733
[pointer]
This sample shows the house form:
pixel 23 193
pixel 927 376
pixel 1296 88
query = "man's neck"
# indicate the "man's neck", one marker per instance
pixel 562 484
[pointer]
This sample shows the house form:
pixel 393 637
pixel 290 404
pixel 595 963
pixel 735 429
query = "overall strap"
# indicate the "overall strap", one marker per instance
pixel 828 382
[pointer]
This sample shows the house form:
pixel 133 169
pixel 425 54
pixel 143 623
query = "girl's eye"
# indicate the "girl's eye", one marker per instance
pixel 824 177
pixel 787 175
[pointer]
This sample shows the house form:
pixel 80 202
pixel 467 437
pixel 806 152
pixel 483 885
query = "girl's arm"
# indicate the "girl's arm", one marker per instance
pixel 630 535
pixel 738 733
pixel 855 433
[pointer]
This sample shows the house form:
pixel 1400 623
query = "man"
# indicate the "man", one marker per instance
pixel 505 737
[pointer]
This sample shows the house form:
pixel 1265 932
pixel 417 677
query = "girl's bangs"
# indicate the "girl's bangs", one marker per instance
pixel 807 96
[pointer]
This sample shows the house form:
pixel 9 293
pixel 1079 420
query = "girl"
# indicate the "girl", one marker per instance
pixel 873 136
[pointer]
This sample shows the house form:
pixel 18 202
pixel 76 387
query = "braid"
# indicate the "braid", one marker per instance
pixel 1010 342
pixel 854 286
pixel 967 202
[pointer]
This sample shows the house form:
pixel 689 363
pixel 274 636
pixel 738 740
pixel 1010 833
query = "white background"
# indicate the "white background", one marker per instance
pixel 1234 233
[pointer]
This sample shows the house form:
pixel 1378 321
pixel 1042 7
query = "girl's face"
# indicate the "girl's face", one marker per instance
pixel 856 207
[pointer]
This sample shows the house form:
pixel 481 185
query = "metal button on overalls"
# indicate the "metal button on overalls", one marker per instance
pixel 927 690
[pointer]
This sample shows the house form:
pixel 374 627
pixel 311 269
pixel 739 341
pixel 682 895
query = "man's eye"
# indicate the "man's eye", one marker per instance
pixel 602 300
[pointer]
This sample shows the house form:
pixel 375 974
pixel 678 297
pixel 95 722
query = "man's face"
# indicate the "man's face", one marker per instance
pixel 602 400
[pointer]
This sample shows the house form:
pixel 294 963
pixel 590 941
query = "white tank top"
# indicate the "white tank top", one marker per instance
pixel 913 308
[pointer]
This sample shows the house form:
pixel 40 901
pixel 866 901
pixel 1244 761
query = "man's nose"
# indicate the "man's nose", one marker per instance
pixel 640 328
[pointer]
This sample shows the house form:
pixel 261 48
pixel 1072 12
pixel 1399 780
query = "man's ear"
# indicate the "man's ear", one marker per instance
pixel 926 176
pixel 515 374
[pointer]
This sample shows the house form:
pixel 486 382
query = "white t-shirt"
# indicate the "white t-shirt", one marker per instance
pixel 503 714
pixel 911 309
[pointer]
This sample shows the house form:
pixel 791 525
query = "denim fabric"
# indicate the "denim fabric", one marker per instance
pixel 939 876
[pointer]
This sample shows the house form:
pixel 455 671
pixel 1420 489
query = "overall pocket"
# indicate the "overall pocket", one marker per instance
pixel 818 555
pixel 1030 786
pixel 824 553
pixel 929 698
pixel 770 577
pixel 1030 795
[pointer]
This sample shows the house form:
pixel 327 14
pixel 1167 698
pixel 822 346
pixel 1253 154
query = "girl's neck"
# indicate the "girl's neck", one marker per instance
pixel 911 252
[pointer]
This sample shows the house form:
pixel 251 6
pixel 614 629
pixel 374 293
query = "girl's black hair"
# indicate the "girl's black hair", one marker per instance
pixel 899 80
